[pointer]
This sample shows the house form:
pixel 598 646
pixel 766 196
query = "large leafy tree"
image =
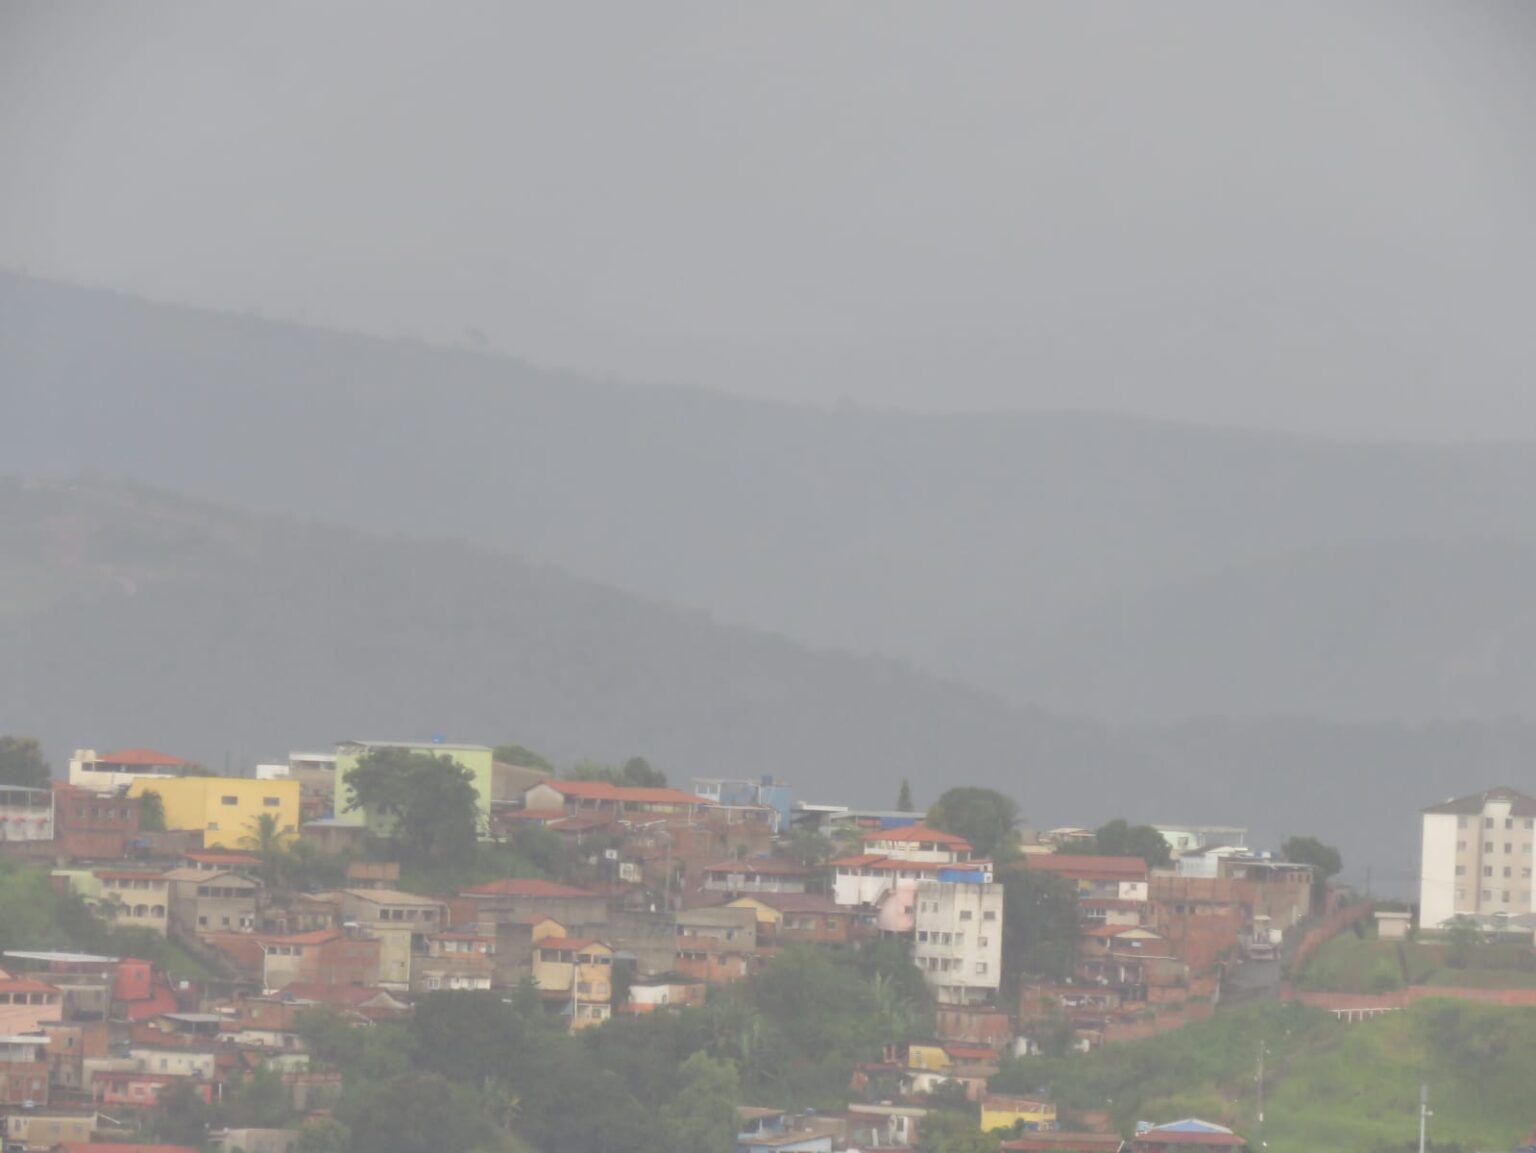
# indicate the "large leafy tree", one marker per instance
pixel 151 812
pixel 431 799
pixel 521 755
pixel 1040 922
pixel 637 772
pixel 1120 839
pixel 983 817
pixel 702 1117
pixel 22 763
pixel 1325 860
pixel 419 1113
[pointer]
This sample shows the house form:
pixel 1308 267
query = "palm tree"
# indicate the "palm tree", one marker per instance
pixel 266 841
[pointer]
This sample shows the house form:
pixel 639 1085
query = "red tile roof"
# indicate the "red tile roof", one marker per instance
pixel 1082 867
pixel 142 757
pixel 522 887
pixel 24 985
pixel 914 833
pixel 624 794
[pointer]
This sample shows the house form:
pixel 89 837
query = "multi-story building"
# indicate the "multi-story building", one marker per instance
pixel 759 875
pixel 479 760
pixel 455 960
pixel 136 899
pixel 23 1070
pixel 212 901
pixel 226 810
pixel 958 942
pixel 918 843
pixel 1476 857
pixel 26 1004
pixel 115 771
pixel 25 814
pixel 622 802
pixel 576 974
pixel 401 921
pixel 93 826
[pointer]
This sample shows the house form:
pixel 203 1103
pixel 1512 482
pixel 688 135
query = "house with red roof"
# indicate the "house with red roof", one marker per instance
pixel 918 843
pixel 26 1003
pixel 1110 890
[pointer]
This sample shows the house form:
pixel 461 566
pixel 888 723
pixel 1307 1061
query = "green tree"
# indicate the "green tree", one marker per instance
pixel 323 1135
pixel 984 817
pixel 151 812
pixel 266 840
pixel 702 1117
pixel 1119 839
pixel 419 1113
pixel 1040 923
pixel 181 1116
pixel 431 799
pixel 640 772
pixel 904 798
pixel 807 846
pixel 1324 859
pixel 260 1101
pixel 22 763
pixel 519 755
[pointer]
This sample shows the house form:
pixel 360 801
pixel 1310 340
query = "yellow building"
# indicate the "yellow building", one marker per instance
pixel 225 809
pixel 1003 1111
pixel 927 1056
pixel 577 972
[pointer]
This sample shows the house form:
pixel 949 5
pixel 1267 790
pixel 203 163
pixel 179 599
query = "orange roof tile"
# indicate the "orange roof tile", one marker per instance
pixel 142 757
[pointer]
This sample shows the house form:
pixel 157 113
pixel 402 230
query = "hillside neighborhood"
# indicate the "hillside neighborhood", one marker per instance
pixel 308 891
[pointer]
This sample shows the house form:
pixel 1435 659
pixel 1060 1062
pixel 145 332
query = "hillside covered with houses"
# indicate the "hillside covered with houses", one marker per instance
pixel 274 960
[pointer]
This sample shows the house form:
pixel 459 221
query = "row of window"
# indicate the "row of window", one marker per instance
pixel 965 914
pixel 100 814
pixel 407 914
pixel 269 802
pixel 946 964
pixel 934 937
pixel 27 998
pixel 225 892
pixel 134 883
pixel 1492 847
pixel 1525 873
pixel 1488 822
pixel 1504 897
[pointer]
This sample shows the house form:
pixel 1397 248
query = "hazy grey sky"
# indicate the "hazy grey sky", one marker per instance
pixel 1306 215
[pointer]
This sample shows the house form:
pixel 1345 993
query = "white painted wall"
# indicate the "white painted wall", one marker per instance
pixel 1437 870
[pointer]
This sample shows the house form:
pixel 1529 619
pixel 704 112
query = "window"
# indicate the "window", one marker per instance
pixel 270 802
pixel 981 966
pixel 1508 848
pixel 1487 822
pixel 1487 846
pixel 1461 870
pixel 1506 870
pixel 1525 873
pixel 1487 870
pixel 965 914
pixel 983 942
pixel 227 800
pixel 1461 846
pixel 989 915
pixel 1506 896
pixel 1487 896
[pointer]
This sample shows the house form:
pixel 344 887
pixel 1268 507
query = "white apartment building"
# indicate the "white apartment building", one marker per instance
pixel 1476 857
pixel 958 939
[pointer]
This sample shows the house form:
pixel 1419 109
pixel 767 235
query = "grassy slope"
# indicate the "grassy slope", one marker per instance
pixel 1329 1086
pixel 1350 964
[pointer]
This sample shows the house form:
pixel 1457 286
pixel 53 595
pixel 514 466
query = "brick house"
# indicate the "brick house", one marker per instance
pixel 92 826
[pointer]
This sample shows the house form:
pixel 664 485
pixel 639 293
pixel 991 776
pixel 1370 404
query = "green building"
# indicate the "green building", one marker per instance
pixel 476 758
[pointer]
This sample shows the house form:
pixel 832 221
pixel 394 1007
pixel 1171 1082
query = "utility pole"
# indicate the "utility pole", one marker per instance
pixel 1423 1114
pixel 1261 1084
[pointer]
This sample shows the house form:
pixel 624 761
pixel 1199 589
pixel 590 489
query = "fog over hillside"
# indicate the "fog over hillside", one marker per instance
pixel 1108 567
pixel 128 617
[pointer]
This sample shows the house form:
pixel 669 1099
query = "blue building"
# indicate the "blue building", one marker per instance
pixel 744 791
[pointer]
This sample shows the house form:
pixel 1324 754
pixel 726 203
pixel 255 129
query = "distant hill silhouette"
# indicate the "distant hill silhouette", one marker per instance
pixel 132 617
pixel 1118 568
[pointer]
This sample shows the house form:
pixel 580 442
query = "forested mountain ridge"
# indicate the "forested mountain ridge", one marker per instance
pixel 130 617
pixel 1101 566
